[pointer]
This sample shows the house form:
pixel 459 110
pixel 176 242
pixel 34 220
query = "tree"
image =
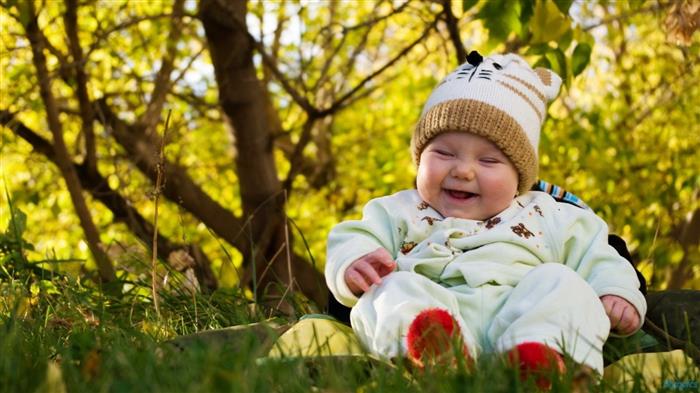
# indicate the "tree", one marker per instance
pixel 629 147
pixel 268 144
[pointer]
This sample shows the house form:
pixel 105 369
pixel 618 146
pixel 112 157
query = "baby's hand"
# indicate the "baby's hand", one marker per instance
pixel 624 318
pixel 368 270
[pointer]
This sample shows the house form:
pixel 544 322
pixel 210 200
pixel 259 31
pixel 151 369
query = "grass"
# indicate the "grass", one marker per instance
pixel 69 338
pixel 59 335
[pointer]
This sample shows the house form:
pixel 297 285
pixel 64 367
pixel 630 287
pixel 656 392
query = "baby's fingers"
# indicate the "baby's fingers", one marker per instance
pixel 356 281
pixel 369 273
pixel 613 309
pixel 609 306
pixel 624 318
pixel 629 320
pixel 382 261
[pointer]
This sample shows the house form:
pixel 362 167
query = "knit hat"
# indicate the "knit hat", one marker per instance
pixel 500 98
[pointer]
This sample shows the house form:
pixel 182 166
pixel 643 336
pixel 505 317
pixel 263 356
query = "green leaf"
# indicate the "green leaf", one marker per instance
pixel 548 23
pixel 580 58
pixel 48 287
pixel 558 61
pixel 25 15
pixel 537 49
pixel 581 35
pixel 34 197
pixel 17 225
pixel 543 62
pixel 565 40
pixel 500 17
pixel 468 4
pixel 527 8
pixel 564 5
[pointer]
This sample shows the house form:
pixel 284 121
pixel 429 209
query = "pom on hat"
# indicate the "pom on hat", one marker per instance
pixel 499 97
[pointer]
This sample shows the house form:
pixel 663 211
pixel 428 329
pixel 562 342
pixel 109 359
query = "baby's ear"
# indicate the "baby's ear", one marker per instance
pixel 551 82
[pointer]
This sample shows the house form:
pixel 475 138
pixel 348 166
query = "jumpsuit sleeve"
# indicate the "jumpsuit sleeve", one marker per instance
pixel 353 239
pixel 586 250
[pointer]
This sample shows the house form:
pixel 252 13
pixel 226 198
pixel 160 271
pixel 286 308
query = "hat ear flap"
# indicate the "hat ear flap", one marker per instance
pixel 551 82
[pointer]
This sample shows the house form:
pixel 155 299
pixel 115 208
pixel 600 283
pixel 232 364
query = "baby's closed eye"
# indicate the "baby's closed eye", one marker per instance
pixel 490 160
pixel 443 153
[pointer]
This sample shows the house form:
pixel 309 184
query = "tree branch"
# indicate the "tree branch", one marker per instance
pixel 323 75
pixel 296 158
pixel 327 48
pixel 276 40
pixel 374 21
pixel 453 28
pixel 162 83
pixel 103 35
pixel 271 64
pixel 655 7
pixel 86 112
pixel 352 59
pixel 186 68
pixel 122 210
pixel 104 265
pixel 340 102
pixel 180 188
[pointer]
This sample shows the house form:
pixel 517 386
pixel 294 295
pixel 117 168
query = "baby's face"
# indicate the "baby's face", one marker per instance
pixel 466 176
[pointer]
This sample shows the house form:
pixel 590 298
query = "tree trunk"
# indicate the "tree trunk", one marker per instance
pixel 689 238
pixel 242 98
pixel 181 189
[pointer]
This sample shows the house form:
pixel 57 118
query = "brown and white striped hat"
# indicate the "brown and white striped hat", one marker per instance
pixel 499 97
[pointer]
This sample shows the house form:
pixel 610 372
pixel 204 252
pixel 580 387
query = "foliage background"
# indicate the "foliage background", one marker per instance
pixel 623 134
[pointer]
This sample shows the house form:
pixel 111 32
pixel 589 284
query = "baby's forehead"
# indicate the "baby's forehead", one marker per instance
pixel 463 139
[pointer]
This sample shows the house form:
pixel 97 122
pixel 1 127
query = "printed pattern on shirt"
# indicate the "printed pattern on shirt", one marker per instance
pixel 491 222
pixel 538 210
pixel 522 231
pixel 430 220
pixel 406 247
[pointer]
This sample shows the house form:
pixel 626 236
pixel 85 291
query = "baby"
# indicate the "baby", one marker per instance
pixel 471 253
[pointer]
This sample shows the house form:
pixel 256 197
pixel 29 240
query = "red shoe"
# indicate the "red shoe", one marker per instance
pixel 539 361
pixel 431 337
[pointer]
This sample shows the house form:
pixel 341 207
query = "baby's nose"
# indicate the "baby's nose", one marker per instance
pixel 464 169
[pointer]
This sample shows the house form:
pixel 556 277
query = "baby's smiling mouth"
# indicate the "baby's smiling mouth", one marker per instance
pixel 460 194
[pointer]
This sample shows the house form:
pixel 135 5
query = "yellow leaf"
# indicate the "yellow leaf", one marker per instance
pixel 548 23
